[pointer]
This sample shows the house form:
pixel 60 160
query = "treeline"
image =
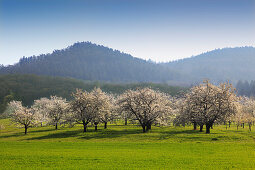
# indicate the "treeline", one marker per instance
pixel 27 88
pixel 246 88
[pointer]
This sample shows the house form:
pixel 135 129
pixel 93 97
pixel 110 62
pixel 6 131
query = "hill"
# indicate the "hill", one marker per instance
pixel 27 88
pixel 219 65
pixel 89 61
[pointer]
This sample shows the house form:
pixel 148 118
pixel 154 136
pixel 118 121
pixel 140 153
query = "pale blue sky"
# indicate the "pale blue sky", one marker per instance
pixel 161 30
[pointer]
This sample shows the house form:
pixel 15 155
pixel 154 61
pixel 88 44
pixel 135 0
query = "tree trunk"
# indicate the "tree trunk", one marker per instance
pixel 250 126
pixel 95 126
pixel 125 121
pixel 25 129
pixel 229 123
pixel 41 124
pixel 84 126
pixel 105 125
pixel 195 126
pixel 237 127
pixel 201 128
pixel 56 126
pixel 143 129
pixel 148 127
pixel 212 126
pixel 208 126
pixel 243 125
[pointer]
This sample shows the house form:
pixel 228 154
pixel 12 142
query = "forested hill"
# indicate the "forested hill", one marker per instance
pixel 89 61
pixel 219 65
pixel 27 88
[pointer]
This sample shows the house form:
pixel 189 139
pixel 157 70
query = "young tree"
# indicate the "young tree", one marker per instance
pixel 246 112
pixel 81 108
pixel 239 117
pixel 126 116
pixel 146 105
pixel 208 103
pixel 22 115
pixel 109 110
pixel 101 107
pixel 42 111
pixel 56 110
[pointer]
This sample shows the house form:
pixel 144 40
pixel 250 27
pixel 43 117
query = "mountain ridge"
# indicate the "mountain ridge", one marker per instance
pixel 88 61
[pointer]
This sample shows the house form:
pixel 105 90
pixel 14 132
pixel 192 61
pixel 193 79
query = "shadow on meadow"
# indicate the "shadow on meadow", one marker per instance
pixel 110 133
pixel 42 130
pixel 129 132
pixel 65 134
pixel 30 131
pixel 90 134
pixel 12 135
pixel 182 135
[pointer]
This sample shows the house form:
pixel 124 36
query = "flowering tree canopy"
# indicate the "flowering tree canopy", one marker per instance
pixel 94 106
pixel 206 103
pixel 56 110
pixel 22 115
pixel 146 105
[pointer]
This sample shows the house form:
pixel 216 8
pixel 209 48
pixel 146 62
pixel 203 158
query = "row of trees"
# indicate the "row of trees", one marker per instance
pixel 203 105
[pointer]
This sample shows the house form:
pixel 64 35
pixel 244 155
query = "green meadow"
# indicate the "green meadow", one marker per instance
pixel 126 147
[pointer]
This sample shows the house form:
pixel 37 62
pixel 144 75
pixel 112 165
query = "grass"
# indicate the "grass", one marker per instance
pixel 126 147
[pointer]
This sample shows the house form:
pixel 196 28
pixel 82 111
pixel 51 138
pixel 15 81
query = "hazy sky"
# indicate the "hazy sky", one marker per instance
pixel 161 30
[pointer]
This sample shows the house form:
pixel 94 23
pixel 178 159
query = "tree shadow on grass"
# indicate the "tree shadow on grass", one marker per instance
pixel 30 131
pixel 90 134
pixel 42 130
pixel 109 133
pixel 181 135
pixel 175 132
pixel 65 134
pixel 12 135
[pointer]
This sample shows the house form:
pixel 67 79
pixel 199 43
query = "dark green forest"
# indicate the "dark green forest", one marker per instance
pixel 27 88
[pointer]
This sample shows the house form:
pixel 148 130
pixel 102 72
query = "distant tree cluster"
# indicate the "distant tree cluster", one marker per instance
pixel 203 105
pixel 246 88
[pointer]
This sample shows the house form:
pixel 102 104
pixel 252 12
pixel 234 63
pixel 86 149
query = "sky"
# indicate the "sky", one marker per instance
pixel 160 30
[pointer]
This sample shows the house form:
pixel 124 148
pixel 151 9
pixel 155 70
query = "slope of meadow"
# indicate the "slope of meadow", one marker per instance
pixel 126 147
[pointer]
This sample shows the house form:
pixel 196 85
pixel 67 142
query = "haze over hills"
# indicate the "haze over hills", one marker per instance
pixel 89 61
pixel 219 65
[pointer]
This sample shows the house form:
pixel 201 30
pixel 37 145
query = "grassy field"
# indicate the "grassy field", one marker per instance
pixel 126 147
